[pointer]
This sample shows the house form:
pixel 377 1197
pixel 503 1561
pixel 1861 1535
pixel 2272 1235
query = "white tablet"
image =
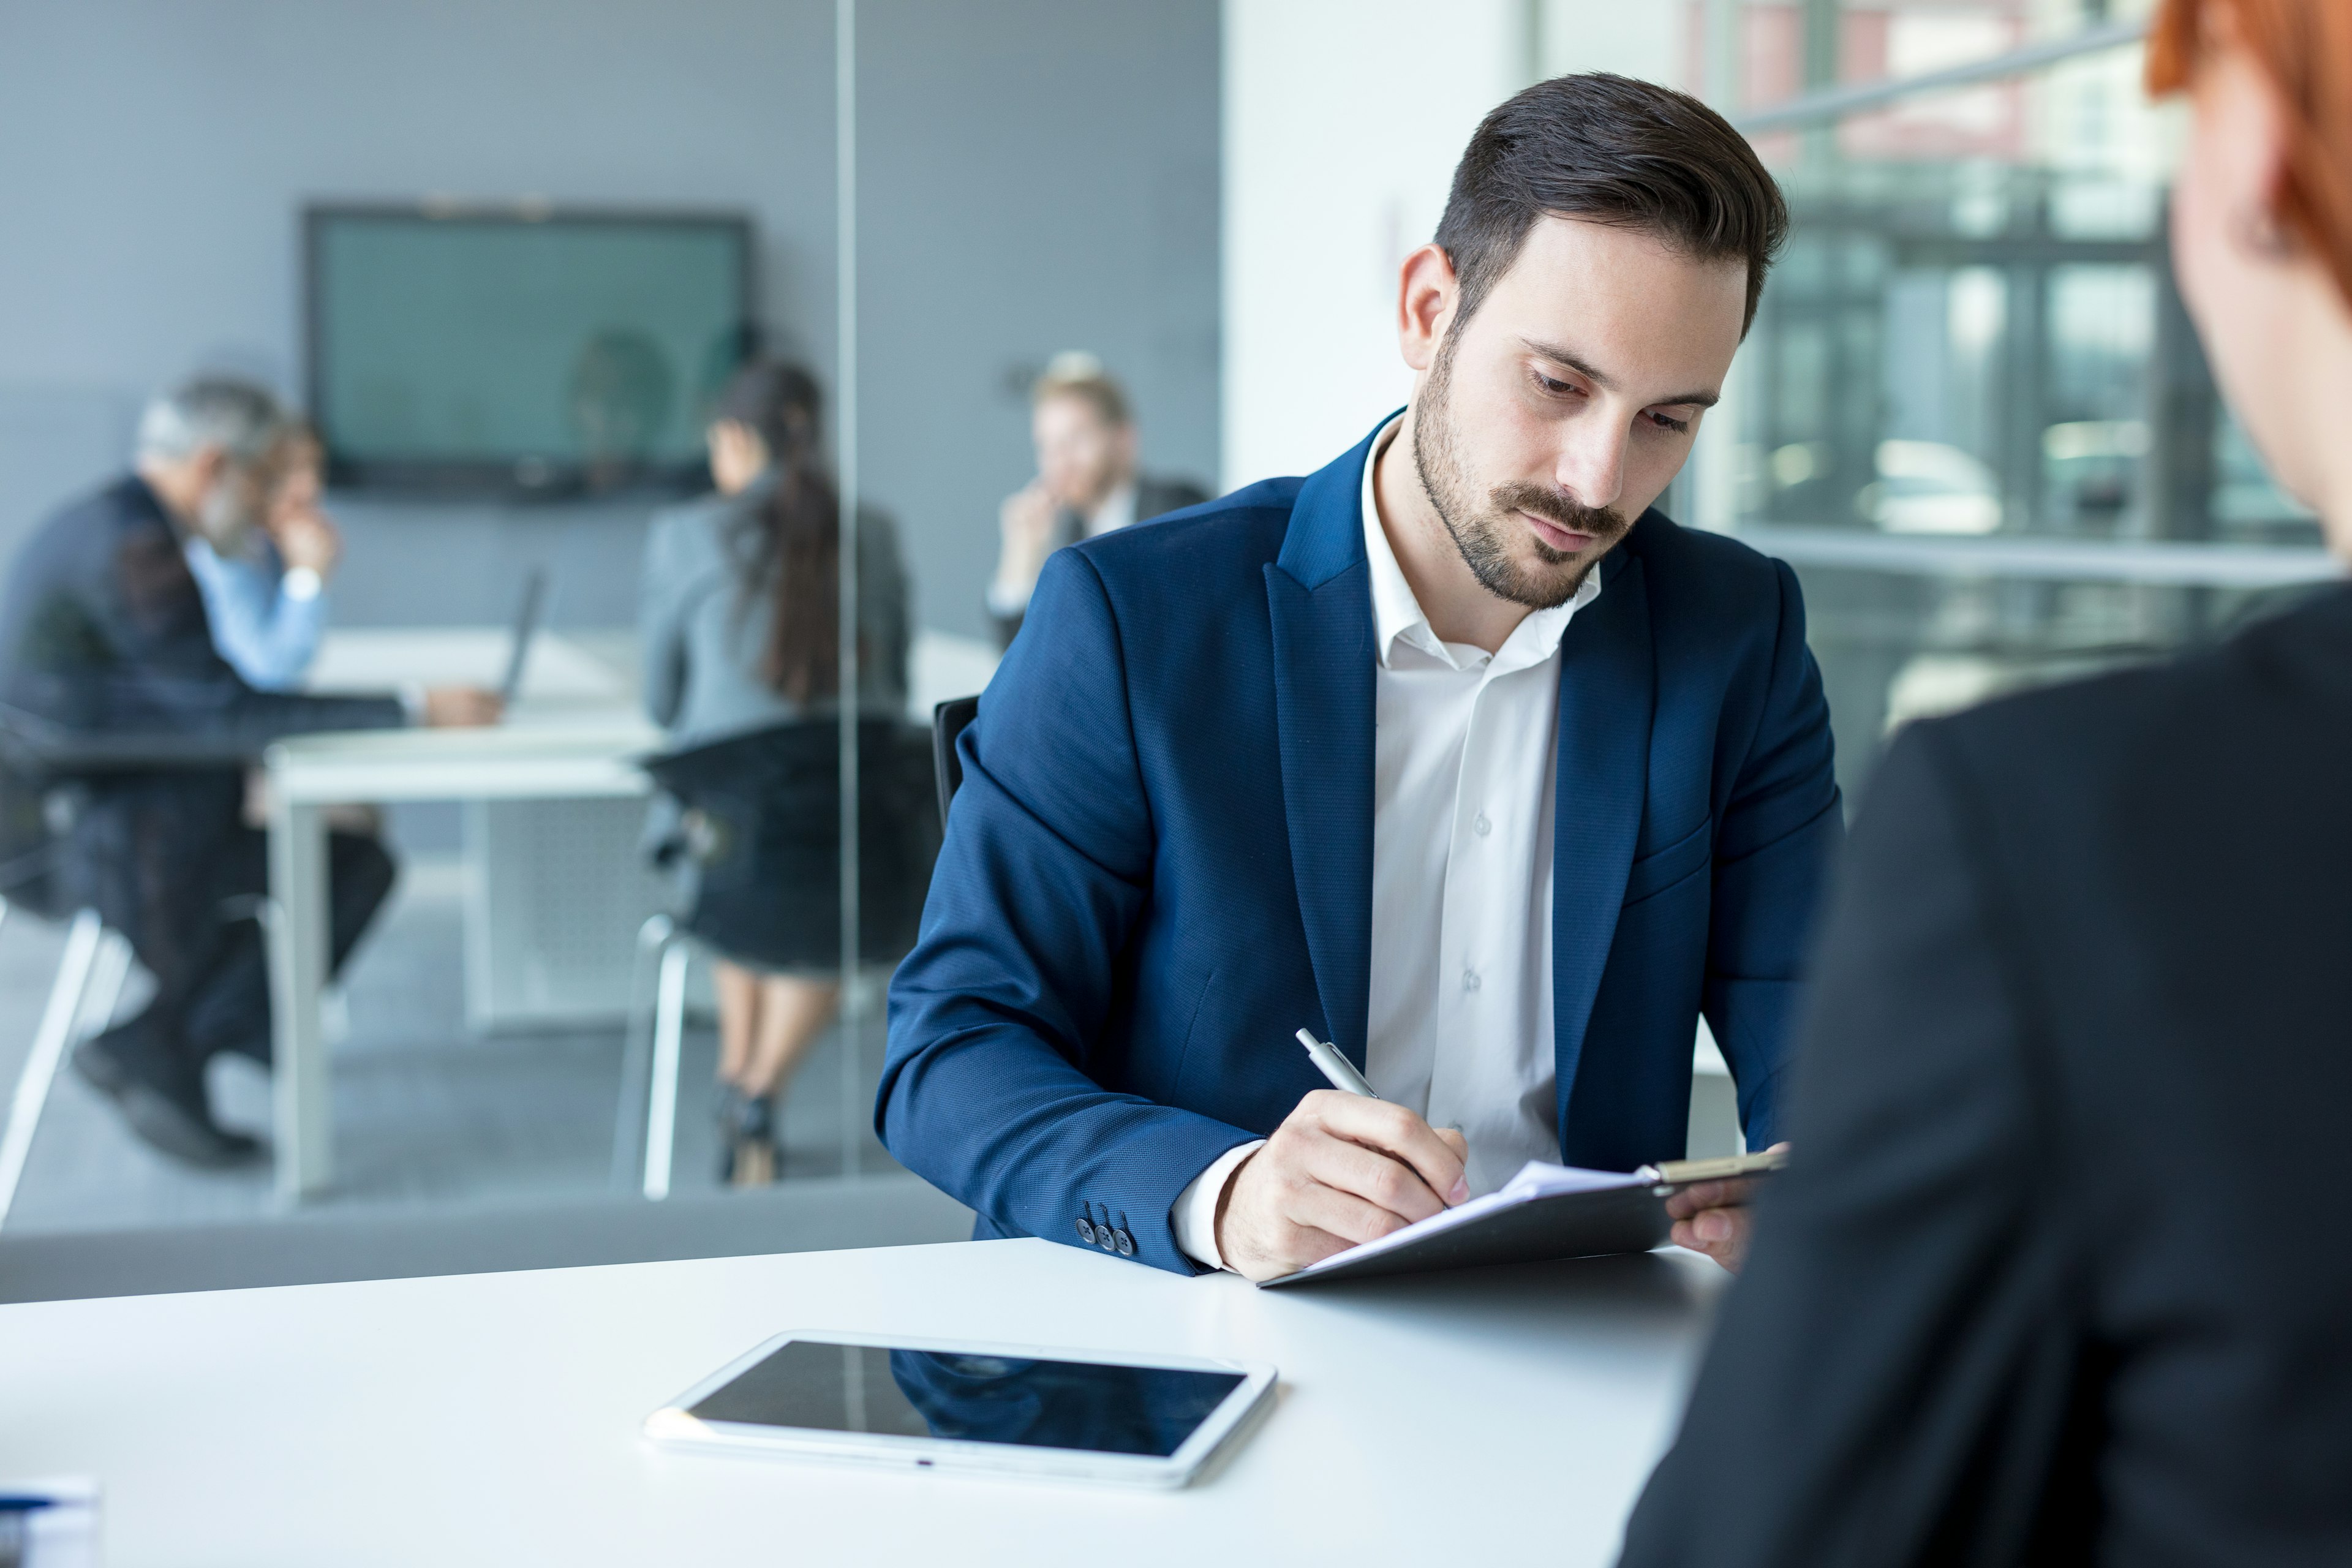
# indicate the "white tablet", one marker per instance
pixel 965 1405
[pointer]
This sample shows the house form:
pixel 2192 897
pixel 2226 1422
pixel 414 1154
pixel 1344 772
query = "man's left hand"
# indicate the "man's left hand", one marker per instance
pixel 306 537
pixel 1714 1218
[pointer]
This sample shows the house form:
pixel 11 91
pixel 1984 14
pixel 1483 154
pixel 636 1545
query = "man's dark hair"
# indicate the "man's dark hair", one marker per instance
pixel 1610 150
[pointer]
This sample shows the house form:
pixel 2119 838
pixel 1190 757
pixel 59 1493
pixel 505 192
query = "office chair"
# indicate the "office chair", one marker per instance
pixel 96 961
pixel 949 720
pixel 760 848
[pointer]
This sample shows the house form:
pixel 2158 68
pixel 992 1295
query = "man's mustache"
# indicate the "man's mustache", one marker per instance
pixel 1603 523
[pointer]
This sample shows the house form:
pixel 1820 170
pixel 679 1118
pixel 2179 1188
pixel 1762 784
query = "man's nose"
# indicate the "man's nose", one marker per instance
pixel 1591 465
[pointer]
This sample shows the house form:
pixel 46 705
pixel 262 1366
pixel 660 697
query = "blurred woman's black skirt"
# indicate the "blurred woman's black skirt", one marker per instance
pixel 756 844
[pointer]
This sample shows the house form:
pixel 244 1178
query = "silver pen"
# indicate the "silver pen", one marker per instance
pixel 1334 1066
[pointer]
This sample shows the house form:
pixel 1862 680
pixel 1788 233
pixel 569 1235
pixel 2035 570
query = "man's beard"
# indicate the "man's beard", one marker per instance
pixel 1484 537
pixel 226 515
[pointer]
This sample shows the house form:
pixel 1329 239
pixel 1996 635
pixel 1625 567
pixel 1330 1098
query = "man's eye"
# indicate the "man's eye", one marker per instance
pixel 1665 422
pixel 1552 388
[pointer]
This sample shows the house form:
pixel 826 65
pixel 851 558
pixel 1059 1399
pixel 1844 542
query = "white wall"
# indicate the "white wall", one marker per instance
pixel 1342 123
pixel 1633 38
pixel 1343 120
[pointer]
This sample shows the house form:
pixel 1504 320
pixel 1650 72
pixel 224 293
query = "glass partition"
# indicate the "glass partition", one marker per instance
pixel 514 300
pixel 979 252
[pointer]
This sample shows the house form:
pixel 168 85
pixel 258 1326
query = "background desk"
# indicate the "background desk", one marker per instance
pixel 1504 1417
pixel 313 773
pixel 554 891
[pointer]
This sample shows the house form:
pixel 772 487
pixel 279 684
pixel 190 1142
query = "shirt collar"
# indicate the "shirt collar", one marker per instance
pixel 1118 509
pixel 1397 614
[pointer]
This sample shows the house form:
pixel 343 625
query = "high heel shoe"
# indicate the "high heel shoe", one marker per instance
pixel 748 1155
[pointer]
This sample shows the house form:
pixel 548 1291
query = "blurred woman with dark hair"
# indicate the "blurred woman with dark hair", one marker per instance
pixel 741 619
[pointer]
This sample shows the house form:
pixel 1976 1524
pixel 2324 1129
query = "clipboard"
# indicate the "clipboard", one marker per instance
pixel 1544 1212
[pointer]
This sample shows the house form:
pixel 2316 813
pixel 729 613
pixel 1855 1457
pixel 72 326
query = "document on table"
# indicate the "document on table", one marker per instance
pixel 1536 1181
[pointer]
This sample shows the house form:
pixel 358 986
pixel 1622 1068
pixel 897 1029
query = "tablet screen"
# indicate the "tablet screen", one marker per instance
pixel 1088 1405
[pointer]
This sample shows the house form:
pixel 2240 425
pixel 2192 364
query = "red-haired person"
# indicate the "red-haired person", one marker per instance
pixel 2044 1282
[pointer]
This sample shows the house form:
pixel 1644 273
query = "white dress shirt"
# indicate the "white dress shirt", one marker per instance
pixel 1465 759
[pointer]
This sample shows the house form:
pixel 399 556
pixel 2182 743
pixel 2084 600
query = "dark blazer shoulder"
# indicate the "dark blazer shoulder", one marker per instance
pixel 88 530
pixel 1710 593
pixel 2218 706
pixel 1156 496
pixel 1175 586
pixel 1243 529
pixel 111 554
pixel 1695 560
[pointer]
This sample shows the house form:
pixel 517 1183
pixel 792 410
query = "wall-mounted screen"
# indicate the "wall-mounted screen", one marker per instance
pixel 520 351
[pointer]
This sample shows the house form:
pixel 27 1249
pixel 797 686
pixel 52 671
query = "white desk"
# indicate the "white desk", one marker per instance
pixel 1499 1417
pixel 573 735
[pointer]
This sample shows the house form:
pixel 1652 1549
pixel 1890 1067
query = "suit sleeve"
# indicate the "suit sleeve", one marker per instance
pixel 1776 843
pixel 996 1014
pixel 129 659
pixel 198 714
pixel 1888 1377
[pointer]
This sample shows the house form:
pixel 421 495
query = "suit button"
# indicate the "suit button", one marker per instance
pixel 1126 1244
pixel 1085 1230
pixel 1106 1238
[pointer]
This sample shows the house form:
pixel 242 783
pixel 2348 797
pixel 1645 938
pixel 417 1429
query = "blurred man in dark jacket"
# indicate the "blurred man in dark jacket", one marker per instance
pixel 107 668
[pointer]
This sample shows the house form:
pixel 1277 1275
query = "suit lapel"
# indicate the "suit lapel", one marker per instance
pixel 1318 596
pixel 1608 682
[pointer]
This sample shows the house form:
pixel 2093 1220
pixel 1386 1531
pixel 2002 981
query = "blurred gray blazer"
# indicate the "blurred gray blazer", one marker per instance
pixel 703 635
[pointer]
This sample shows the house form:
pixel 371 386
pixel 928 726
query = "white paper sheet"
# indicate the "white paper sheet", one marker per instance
pixel 1536 1180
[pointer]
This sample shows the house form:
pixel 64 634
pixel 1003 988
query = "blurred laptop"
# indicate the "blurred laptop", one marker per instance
pixel 526 631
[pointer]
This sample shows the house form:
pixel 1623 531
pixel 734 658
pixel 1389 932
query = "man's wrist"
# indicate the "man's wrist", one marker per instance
pixel 301 583
pixel 1202 1204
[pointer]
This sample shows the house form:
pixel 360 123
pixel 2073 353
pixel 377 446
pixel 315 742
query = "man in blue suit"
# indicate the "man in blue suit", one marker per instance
pixel 1454 753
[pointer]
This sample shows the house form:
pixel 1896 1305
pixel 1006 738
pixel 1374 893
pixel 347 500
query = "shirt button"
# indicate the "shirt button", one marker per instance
pixel 1469 980
pixel 1482 827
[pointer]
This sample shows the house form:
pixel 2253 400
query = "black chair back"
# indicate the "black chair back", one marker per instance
pixel 762 830
pixel 46 769
pixel 949 721
pixel 29 876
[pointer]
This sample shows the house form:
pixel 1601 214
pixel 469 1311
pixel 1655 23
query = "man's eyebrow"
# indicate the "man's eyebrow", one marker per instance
pixel 1575 362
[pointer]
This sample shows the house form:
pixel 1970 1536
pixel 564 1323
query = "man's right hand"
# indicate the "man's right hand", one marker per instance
pixel 1026 520
pixel 461 707
pixel 1340 1171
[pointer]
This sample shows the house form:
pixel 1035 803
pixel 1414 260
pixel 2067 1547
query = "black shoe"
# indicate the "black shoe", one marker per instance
pixel 727 1103
pixel 748 1155
pixel 161 1096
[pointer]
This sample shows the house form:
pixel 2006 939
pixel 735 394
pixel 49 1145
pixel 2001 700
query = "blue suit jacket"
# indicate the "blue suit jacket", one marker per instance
pixel 1160 863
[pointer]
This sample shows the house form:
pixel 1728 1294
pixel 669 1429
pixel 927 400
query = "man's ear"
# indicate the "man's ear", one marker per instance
pixel 1427 293
pixel 205 465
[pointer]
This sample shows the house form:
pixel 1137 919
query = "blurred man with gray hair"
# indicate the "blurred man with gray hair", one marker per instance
pixel 109 661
